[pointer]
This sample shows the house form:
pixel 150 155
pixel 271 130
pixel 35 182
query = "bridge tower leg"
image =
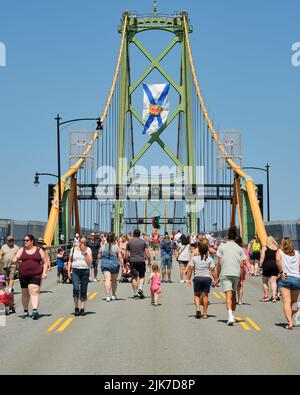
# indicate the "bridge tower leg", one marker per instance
pixel 121 170
pixel 248 223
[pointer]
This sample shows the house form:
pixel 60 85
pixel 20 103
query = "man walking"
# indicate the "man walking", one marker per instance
pixel 7 254
pixel 167 250
pixel 137 250
pixel 231 259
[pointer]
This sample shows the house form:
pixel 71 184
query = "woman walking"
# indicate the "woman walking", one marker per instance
pixel 204 268
pixel 246 267
pixel 32 270
pixel 80 262
pixel 270 269
pixel 110 256
pixel 183 255
pixel 288 262
pixel 254 250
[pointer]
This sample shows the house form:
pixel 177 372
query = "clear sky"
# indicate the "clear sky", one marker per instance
pixel 61 55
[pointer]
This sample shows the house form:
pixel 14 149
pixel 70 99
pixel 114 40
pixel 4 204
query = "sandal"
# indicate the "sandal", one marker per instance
pixel 204 316
pixel 290 328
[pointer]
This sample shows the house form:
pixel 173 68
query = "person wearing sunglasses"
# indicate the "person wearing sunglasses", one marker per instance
pixel 80 262
pixel 33 268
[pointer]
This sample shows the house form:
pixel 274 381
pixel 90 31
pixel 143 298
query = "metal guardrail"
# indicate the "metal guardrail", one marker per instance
pixel 52 251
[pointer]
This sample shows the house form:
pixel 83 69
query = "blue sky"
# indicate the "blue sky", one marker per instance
pixel 61 55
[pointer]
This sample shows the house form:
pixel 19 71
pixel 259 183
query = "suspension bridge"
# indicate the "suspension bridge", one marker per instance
pixel 187 173
pixel 228 194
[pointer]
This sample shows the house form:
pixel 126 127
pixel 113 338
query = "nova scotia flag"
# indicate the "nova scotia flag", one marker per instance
pixel 156 107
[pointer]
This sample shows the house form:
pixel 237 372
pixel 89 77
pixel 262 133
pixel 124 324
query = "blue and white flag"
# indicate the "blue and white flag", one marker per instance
pixel 156 107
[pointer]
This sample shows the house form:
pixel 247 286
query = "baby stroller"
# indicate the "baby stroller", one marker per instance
pixel 8 300
pixel 126 273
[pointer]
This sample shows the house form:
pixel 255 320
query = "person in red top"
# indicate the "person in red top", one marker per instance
pixel 32 270
pixel 156 243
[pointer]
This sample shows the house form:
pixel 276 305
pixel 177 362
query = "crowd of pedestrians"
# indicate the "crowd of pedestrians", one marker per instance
pixel 210 262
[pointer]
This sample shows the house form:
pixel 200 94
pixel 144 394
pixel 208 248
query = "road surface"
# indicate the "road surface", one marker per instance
pixel 131 337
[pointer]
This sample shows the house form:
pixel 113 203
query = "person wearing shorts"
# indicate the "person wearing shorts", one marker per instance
pixel 137 250
pixel 156 243
pixel 94 245
pixel 288 263
pixel 203 267
pixel 183 256
pixel 231 261
pixel 32 269
pixel 167 249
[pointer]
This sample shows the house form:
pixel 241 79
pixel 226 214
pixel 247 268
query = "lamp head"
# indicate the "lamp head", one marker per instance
pixel 36 180
pixel 99 125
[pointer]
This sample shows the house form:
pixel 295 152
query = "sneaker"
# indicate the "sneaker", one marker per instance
pixel 108 299
pixel 82 313
pixel 181 281
pixel 230 322
pixel 198 315
pixel 35 315
pixel 274 300
pixel 265 299
pixel 152 302
pixel 77 312
pixel 136 296
pixel 95 280
pixel 25 316
pixel 114 297
pixel 141 294
pixel 170 281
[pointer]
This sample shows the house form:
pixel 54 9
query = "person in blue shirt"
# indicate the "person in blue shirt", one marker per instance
pixel 167 249
pixel 60 264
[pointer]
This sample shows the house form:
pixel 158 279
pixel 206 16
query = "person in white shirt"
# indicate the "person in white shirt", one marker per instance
pixel 288 263
pixel 183 255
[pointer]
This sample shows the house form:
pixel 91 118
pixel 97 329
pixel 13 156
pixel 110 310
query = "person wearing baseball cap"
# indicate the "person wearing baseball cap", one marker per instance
pixel 7 254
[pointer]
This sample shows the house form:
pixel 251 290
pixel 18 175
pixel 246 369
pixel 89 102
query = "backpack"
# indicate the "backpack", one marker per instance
pixel 167 246
pixel 256 247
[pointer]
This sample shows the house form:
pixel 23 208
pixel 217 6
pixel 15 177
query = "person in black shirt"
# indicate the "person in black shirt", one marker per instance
pixel 94 245
pixel 137 249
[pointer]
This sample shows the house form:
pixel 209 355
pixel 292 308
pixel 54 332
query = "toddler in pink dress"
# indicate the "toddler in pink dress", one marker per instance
pixel 155 286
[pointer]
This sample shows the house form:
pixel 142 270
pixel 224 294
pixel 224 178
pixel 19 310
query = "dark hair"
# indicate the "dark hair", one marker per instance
pixel 203 251
pixel 136 233
pixel 232 233
pixel 239 241
pixel 31 238
pixel 184 240
pixel 111 239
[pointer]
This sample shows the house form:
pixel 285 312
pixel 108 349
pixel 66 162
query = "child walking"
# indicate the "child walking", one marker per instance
pixel 60 265
pixel 155 286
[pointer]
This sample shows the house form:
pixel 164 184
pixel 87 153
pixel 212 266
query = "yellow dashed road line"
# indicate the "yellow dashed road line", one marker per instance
pixel 93 296
pixel 252 323
pixel 65 325
pixel 217 296
pixel 243 324
pixel 55 325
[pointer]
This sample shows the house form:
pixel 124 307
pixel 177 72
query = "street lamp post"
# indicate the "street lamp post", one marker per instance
pixel 266 170
pixel 58 125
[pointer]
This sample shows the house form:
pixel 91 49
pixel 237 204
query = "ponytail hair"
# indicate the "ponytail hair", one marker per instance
pixel 203 251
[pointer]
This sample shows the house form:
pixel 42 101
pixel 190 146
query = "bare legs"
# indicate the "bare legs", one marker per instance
pixel 33 294
pixel 204 298
pixel 110 284
pixel 289 299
